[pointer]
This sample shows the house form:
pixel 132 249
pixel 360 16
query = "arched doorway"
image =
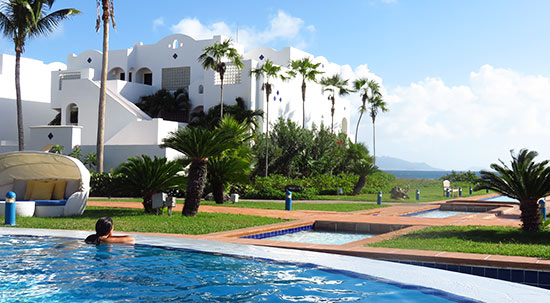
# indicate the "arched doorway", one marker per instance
pixel 71 114
pixel 116 73
pixel 145 76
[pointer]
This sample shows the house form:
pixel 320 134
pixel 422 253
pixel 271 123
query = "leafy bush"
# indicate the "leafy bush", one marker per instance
pixel 379 181
pixel 467 176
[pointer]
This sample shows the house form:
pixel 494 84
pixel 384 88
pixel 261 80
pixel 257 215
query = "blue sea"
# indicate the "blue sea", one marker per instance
pixel 421 174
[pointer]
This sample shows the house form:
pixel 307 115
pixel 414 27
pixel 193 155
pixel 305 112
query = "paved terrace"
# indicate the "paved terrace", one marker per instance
pixel 507 214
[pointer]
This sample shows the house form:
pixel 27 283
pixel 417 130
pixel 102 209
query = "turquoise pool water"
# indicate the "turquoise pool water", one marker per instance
pixel 321 237
pixel 436 213
pixel 500 199
pixel 34 269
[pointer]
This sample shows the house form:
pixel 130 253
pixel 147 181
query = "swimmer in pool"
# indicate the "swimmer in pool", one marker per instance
pixel 104 234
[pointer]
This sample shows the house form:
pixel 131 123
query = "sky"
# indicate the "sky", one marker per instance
pixel 466 81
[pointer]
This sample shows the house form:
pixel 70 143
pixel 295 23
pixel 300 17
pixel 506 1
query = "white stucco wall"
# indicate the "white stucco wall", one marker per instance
pixel 35 78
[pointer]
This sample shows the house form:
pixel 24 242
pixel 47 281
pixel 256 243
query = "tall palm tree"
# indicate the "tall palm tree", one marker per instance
pixel 334 85
pixel 376 103
pixel 526 181
pixel 150 176
pixel 199 144
pixel 107 7
pixel 25 19
pixel 212 58
pixel 308 70
pixel 268 71
pixel 363 86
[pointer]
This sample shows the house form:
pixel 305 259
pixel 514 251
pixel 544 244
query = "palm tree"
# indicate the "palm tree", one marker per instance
pixel 107 7
pixel 238 111
pixel 308 71
pixel 169 106
pixel 150 176
pixel 21 20
pixel 199 144
pixel 526 181
pixel 363 86
pixel 363 168
pixel 376 103
pixel 212 59
pixel 232 166
pixel 334 85
pixel 267 71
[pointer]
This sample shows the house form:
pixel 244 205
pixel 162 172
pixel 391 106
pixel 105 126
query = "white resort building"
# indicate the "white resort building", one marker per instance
pixel 171 63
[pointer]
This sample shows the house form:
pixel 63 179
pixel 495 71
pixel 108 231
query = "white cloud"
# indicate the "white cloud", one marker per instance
pixel 159 22
pixel 282 28
pixel 458 127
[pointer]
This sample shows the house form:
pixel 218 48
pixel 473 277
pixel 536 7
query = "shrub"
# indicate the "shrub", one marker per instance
pixel 467 176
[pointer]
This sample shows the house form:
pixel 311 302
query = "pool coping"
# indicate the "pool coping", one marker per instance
pixel 469 286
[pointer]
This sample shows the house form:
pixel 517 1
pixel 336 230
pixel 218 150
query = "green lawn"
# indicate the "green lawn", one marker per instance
pixel 134 220
pixel 494 240
pixel 430 190
pixel 337 207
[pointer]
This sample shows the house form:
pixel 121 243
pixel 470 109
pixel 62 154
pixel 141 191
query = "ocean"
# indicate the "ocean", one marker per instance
pixel 420 174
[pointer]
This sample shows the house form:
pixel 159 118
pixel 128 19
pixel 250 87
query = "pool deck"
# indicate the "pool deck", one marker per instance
pixel 504 215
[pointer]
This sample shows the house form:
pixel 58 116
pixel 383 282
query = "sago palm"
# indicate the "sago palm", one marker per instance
pixel 150 176
pixel 212 58
pixel 200 144
pixel 334 85
pixel 367 89
pixel 308 70
pixel 268 71
pixel 21 20
pixel 231 167
pixel 363 168
pixel 376 104
pixel 107 8
pixel 525 180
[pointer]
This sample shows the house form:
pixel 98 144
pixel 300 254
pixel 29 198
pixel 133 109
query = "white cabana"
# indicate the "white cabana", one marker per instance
pixel 16 168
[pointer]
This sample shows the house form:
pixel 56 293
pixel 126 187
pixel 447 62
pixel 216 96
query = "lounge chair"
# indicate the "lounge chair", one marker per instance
pixel 67 182
pixel 447 188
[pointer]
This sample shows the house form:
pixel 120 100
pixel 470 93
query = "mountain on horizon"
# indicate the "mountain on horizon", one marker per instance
pixel 390 163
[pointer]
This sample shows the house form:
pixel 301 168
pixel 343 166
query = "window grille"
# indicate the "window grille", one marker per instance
pixel 232 75
pixel 174 78
pixel 67 76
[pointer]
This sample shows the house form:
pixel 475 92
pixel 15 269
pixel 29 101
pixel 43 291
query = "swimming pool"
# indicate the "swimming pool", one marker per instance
pixel 437 213
pixel 55 269
pixel 500 199
pixel 321 237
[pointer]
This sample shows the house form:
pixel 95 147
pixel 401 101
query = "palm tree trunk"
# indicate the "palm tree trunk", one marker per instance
pixel 373 142
pixel 267 91
pixel 195 186
pixel 332 115
pixel 148 203
pixel 357 127
pixel 304 103
pixel 217 191
pixel 360 184
pixel 102 92
pixel 221 95
pixel 19 105
pixel 530 216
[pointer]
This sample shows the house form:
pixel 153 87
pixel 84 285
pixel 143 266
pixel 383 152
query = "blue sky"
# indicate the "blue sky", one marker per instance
pixel 448 67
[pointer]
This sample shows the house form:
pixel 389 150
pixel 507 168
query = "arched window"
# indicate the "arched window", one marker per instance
pixel 72 114
pixel 201 89
pixel 345 125
pixel 175 44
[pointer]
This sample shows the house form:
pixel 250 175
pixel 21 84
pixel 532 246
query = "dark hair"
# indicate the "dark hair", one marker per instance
pixel 103 227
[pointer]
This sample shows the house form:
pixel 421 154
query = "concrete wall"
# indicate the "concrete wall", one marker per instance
pixel 67 136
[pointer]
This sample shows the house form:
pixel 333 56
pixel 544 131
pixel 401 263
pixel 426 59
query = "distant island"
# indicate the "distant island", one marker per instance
pixel 390 163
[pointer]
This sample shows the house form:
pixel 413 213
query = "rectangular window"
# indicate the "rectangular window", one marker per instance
pixel 232 75
pixel 122 76
pixel 174 78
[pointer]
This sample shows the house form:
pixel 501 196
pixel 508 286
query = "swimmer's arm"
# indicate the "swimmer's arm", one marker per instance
pixel 119 239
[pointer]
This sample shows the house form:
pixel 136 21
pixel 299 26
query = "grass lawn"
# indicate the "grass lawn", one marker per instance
pixel 430 190
pixel 494 240
pixel 337 207
pixel 134 220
